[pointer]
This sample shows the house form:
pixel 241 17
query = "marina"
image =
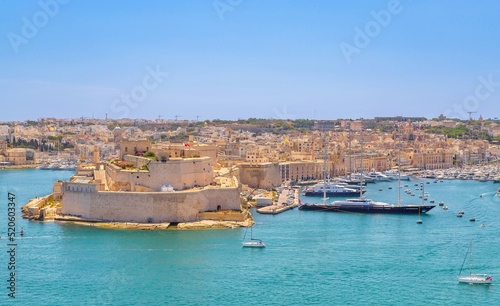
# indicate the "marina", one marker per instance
pixel 480 173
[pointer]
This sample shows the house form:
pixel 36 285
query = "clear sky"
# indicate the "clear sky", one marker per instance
pixel 230 59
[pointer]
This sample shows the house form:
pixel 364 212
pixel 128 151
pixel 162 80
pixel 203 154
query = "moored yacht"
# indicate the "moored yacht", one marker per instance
pixel 394 175
pixel 378 176
pixel 362 205
pixel 331 190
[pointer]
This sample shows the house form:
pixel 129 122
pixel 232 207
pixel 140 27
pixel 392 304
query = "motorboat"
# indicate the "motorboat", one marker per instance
pixel 378 176
pixel 394 175
pixel 332 190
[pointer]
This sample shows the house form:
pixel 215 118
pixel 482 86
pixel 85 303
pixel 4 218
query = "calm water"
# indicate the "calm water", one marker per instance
pixel 312 258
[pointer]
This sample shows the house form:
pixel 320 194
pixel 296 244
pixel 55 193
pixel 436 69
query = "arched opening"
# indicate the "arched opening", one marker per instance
pixel 219 208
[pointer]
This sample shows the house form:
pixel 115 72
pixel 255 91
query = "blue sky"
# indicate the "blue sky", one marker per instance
pixel 230 59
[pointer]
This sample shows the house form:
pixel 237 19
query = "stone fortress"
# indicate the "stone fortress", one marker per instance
pixel 155 189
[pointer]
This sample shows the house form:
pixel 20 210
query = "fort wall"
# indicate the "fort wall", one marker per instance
pixel 183 206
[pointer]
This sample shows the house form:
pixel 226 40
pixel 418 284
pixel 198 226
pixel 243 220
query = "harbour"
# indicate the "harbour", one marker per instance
pixel 306 255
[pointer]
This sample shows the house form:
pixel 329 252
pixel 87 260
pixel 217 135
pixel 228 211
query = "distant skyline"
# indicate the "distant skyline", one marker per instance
pixel 230 59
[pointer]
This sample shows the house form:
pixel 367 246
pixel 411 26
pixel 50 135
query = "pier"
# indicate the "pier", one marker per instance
pixel 285 202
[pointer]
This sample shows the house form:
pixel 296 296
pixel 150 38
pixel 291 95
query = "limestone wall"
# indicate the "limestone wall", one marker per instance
pixel 264 175
pixel 179 173
pixel 149 206
pixel 138 161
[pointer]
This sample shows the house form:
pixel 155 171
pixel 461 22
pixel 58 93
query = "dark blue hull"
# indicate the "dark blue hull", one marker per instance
pixel 396 209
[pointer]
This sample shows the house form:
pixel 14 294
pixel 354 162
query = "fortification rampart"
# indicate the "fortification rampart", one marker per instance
pixel 183 206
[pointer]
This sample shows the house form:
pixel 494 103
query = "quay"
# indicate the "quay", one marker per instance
pixel 286 201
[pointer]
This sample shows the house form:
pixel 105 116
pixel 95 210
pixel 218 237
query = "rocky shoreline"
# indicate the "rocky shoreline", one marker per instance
pixel 196 225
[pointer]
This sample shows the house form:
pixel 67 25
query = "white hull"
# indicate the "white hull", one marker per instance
pixel 394 176
pixel 475 279
pixel 254 244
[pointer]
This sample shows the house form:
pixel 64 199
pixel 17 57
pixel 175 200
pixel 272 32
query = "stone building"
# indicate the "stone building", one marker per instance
pixel 134 147
pixel 20 156
pixel 260 175
pixel 429 159
pixel 3 146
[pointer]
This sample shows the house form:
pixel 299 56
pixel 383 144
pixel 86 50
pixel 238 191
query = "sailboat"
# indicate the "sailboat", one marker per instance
pixel 253 242
pixel 473 278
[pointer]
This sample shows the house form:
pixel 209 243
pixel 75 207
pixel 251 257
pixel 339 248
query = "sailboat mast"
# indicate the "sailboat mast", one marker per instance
pixel 399 172
pixel 361 185
pixel 350 154
pixel 470 261
pixel 324 167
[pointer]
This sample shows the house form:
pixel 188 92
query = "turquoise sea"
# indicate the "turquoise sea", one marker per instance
pixel 311 258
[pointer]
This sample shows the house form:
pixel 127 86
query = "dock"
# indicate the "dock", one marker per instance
pixel 285 202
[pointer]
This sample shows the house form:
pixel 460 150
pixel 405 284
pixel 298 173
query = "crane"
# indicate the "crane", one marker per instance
pixel 177 116
pixel 470 115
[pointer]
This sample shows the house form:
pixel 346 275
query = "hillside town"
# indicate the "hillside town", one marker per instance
pixel 266 153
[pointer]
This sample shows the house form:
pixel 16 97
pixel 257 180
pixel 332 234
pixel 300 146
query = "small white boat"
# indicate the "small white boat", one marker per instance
pixel 473 278
pixel 445 207
pixel 476 279
pixel 252 243
pixel 441 203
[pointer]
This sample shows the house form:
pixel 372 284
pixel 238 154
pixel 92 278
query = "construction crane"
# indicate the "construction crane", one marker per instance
pixel 470 115
pixel 177 116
